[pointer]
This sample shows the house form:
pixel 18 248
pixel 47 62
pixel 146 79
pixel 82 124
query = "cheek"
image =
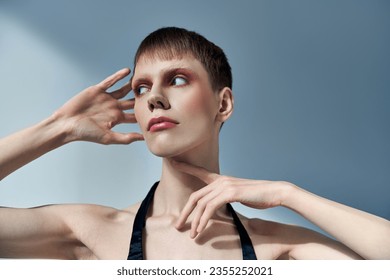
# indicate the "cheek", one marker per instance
pixel 200 106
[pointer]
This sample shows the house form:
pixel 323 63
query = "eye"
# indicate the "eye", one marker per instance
pixel 178 81
pixel 142 89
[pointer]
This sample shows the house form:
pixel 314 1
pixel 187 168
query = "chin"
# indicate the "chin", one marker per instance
pixel 168 148
pixel 166 151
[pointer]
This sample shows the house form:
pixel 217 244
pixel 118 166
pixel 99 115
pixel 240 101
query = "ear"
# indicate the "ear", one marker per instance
pixel 226 104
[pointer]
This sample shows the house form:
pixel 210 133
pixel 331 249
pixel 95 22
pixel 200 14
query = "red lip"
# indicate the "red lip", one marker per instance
pixel 161 123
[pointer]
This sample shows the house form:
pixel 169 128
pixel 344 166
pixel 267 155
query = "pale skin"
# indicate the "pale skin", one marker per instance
pixel 189 205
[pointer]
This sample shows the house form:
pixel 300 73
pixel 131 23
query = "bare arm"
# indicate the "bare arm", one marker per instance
pixel 36 233
pixel 67 231
pixel 48 231
pixel 89 116
pixel 366 234
pixel 360 233
pixel 23 147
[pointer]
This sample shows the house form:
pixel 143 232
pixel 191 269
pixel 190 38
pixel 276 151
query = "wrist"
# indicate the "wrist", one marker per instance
pixel 287 194
pixel 57 129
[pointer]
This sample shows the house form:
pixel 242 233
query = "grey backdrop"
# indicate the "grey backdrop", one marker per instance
pixel 311 85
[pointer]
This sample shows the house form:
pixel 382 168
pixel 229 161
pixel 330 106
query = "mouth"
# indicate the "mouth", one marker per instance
pixel 161 123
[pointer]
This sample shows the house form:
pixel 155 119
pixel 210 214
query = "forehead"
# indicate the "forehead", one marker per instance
pixel 154 66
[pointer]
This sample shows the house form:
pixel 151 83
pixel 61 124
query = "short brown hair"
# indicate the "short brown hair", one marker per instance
pixel 173 42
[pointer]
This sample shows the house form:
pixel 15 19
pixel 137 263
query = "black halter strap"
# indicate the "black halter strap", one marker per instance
pixel 248 252
pixel 136 249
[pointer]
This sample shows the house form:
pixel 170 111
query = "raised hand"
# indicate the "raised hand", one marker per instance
pixel 91 115
pixel 224 189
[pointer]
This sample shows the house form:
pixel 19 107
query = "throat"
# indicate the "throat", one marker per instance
pixel 223 233
pixel 174 190
pixel 170 199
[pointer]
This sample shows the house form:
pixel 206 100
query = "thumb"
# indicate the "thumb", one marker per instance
pixel 125 138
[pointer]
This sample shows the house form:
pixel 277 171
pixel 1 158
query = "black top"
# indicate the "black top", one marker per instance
pixel 136 250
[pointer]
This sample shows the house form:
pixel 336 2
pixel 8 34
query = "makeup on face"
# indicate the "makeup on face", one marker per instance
pixel 171 76
pixel 175 106
pixel 161 123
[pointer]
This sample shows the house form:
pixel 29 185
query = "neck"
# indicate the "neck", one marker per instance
pixel 175 187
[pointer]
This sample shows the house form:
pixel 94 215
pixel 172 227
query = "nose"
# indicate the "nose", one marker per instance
pixel 158 101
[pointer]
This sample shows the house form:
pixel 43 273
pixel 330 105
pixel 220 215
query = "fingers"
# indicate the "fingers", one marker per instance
pixel 190 206
pixel 128 118
pixel 126 104
pixel 122 138
pixel 122 92
pixel 193 202
pixel 210 205
pixel 205 209
pixel 202 205
pixel 111 80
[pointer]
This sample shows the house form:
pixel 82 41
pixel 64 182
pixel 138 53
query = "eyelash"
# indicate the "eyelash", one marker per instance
pixel 138 91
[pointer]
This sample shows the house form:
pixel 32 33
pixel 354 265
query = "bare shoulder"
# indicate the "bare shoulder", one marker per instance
pixel 95 226
pixel 90 216
pixel 95 210
pixel 66 231
pixel 133 208
pixel 285 241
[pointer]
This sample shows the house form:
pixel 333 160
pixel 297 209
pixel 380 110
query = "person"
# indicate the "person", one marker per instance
pixel 182 96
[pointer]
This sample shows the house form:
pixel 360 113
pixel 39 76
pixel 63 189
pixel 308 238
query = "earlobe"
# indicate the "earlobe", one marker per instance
pixel 226 104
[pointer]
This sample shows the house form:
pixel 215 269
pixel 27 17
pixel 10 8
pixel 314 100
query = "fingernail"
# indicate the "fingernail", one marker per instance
pixel 193 235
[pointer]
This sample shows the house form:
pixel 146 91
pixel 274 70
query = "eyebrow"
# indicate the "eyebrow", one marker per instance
pixel 167 72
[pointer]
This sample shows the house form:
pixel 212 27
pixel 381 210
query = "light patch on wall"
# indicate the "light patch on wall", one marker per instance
pixel 31 70
pixel 36 78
